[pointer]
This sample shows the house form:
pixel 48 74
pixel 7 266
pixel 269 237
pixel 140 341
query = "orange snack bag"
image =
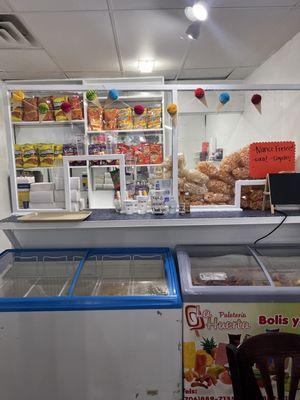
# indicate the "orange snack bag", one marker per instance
pixel 111 119
pixel 156 153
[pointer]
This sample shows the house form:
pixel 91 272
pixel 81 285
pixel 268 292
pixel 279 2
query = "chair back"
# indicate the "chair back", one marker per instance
pixel 268 353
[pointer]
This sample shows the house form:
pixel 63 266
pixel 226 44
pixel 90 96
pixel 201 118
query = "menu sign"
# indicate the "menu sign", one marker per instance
pixel 271 157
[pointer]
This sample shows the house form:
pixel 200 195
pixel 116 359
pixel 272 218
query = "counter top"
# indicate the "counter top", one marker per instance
pixel 110 219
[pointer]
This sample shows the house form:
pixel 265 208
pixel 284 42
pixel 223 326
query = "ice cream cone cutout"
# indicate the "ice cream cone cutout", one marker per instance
pixel 66 109
pixel 43 109
pixel 224 98
pixel 113 95
pixel 172 110
pixel 91 96
pixel 200 95
pixel 17 96
pixel 256 101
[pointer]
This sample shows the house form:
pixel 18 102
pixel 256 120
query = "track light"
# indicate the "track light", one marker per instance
pixel 198 12
pixel 193 31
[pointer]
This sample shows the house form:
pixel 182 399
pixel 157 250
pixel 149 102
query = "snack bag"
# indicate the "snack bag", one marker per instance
pixel 142 154
pixel 125 121
pixel 76 107
pixel 30 157
pixel 95 118
pixel 217 186
pixel 156 153
pixel 231 162
pixel 58 152
pixel 19 155
pixel 207 168
pixel 70 150
pixel 241 173
pixel 111 119
pixel 154 116
pixel 16 111
pixel 30 109
pixel 49 116
pixel 216 198
pixel 196 176
pixel 140 121
pixel 97 149
pixel 46 154
pixel 194 188
pixel 59 114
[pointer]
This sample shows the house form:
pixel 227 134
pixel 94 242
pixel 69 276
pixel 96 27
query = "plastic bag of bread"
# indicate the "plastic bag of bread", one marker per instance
pixel 196 176
pixel 226 177
pixel 30 109
pixel 240 173
pixel 208 168
pixel 194 188
pixel 245 156
pixel 217 186
pixel 217 198
pixel 230 162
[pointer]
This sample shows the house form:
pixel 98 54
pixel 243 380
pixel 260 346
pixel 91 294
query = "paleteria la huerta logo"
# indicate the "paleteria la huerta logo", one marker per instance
pixel 198 319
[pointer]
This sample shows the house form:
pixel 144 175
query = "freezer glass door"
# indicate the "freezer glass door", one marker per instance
pixel 225 266
pixel 282 263
pixel 37 274
pixel 122 275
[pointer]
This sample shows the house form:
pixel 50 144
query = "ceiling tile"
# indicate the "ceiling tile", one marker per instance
pixel 24 60
pixel 241 72
pixel 148 4
pixel 77 41
pixel 32 75
pixel 205 73
pixel 252 3
pixel 92 74
pixel 139 38
pixel 58 5
pixel 4 6
pixel 240 37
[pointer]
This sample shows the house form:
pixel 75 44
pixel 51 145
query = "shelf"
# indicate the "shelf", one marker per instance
pixel 126 165
pixel 42 168
pixel 37 123
pixel 125 131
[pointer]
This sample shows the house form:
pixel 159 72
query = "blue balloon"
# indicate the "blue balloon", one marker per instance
pixel 113 94
pixel 224 97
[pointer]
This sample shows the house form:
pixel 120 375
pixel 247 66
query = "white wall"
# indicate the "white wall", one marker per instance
pixel 4 192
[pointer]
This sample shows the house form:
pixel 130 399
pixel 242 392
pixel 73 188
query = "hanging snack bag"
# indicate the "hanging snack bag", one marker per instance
pixel 58 113
pixel 58 152
pixel 76 107
pixel 95 118
pixel 142 154
pixel 140 121
pixel 16 111
pixel 156 154
pixel 49 116
pixel 30 157
pixel 30 109
pixel 111 119
pixel 97 149
pixel 46 154
pixel 154 117
pixel 125 121
pixel 19 155
pixel 70 150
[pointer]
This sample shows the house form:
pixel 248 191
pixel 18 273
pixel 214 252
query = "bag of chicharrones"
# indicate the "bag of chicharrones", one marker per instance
pixel 217 198
pixel 207 168
pixel 217 186
pixel 245 156
pixel 241 173
pixel 193 175
pixel 230 162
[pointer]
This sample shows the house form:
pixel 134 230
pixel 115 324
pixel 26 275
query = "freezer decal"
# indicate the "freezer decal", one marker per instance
pixel 208 328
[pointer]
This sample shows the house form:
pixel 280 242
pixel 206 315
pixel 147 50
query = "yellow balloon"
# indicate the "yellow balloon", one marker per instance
pixel 172 109
pixel 18 95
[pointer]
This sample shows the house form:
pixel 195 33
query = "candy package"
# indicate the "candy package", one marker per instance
pixel 46 154
pixel 95 118
pixel 19 155
pixel 140 121
pixel 30 109
pixel 125 121
pixel 49 116
pixel 142 154
pixel 58 152
pixel 154 116
pixel 97 149
pixel 76 107
pixel 156 153
pixel 111 119
pixel 30 157
pixel 70 150
pixel 59 114
pixel 16 111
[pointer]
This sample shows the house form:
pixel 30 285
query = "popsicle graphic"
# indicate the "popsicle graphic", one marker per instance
pixel 189 354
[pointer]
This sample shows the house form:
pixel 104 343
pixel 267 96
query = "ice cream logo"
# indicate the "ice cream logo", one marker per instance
pixel 195 317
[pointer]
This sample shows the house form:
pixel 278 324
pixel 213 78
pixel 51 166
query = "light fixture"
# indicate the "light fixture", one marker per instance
pixel 198 12
pixel 146 66
pixel 193 31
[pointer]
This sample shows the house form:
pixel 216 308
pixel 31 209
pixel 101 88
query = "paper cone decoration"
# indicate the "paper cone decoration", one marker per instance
pixel 172 110
pixel 43 109
pixel 91 96
pixel 256 101
pixel 112 96
pixel 224 98
pixel 18 95
pixel 200 95
pixel 66 109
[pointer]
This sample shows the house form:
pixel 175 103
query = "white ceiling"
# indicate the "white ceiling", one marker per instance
pixel 101 38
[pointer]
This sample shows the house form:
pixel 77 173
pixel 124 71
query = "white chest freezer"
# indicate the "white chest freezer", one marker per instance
pixel 90 325
pixel 229 294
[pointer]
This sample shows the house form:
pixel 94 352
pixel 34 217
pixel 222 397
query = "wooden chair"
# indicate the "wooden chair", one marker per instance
pixel 259 350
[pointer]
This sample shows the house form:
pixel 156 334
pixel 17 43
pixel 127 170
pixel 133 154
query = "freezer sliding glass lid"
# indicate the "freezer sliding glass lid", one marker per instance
pixel 37 274
pixel 224 266
pixel 122 275
pixel 283 264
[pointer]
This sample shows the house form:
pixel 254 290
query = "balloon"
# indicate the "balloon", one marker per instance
pixel 139 109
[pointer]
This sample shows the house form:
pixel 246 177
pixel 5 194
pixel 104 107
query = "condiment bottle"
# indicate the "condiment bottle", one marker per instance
pixel 181 203
pixel 187 201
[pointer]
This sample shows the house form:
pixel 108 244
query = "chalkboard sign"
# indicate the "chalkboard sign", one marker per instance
pixel 284 189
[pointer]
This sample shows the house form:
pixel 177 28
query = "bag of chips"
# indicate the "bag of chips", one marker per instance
pixel 111 119
pixel 156 153
pixel 76 107
pixel 95 118
pixel 30 157
pixel 16 111
pixel 46 154
pixel 125 121
pixel 140 121
pixel 59 114
pixel 19 155
pixel 154 116
pixel 58 152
